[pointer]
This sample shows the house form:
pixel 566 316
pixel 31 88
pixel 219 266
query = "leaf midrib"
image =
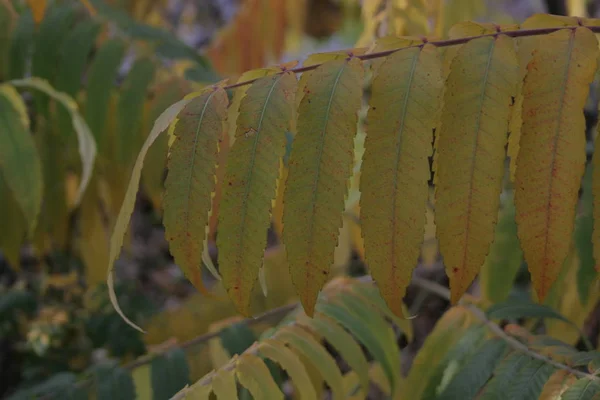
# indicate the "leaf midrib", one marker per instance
pixel 320 159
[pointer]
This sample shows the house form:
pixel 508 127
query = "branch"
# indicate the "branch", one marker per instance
pixel 439 43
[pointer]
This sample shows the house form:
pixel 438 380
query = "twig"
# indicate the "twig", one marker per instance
pixel 438 43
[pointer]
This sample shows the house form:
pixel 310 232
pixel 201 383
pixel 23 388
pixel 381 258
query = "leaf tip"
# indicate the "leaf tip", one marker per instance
pixel 113 299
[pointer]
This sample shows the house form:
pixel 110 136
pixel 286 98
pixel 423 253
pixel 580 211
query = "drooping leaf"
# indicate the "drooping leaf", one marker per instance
pixel 100 82
pixel 250 182
pixel 278 352
pixel 596 202
pixel 19 159
pixel 583 389
pixel 191 181
pixel 12 216
pixel 320 166
pixel 8 20
pixel 476 372
pixel 302 341
pixel 253 374
pixel 471 154
pixel 514 309
pixel 122 222
pixel 406 95
pixel 505 258
pixel 169 373
pixel 584 230
pixel 86 142
pixel 551 159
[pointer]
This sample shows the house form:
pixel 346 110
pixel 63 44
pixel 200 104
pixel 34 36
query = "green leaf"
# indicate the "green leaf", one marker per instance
pixel 11 215
pixel 250 183
pixel 343 342
pixel 583 389
pixel 62 385
pixel 19 159
pixel 278 352
pixel 320 166
pixel 371 331
pixel 476 372
pixel 73 58
pixel 404 108
pixel 113 382
pixel 116 240
pixel 191 179
pixel 131 103
pixel 87 145
pixel 584 227
pixel 236 338
pixel 8 19
pixel 529 380
pixel 169 373
pixel 253 374
pixel 20 47
pixel 504 259
pixel 304 343
pixel 504 375
pixel 101 78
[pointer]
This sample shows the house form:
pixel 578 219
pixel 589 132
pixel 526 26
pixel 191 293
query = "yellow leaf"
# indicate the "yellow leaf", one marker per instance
pixel 223 385
pixel 551 159
pixel 122 222
pixel 94 239
pixel 142 380
pixel 254 375
pixel 558 383
pixel 250 183
pixel 405 103
pixel 38 9
pixel 596 200
pixel 304 343
pixel 278 352
pixel 320 166
pixel 472 138
pixel 191 180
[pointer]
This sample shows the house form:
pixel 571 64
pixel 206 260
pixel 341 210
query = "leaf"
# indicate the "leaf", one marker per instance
pixel 223 384
pixel 584 230
pixel 304 343
pixel 250 183
pixel 446 333
pixel 504 374
pixel 142 381
pixel 556 385
pixel 583 389
pixel 169 373
pixel 551 159
pixel 191 180
pixel 344 344
pixel 476 372
pixel 320 166
pixel 530 380
pixel 100 82
pixel 17 148
pixel 596 201
pixel 515 309
pixel 504 259
pixel 116 240
pixel 404 106
pixel 8 19
pixel 114 382
pixel 86 143
pixel 470 164
pixel 369 328
pixel 12 216
pixel 254 375
pixel 129 112
pixel 278 352
pixel 21 44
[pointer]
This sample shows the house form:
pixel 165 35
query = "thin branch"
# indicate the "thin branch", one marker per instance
pixel 439 43
pixel 498 331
